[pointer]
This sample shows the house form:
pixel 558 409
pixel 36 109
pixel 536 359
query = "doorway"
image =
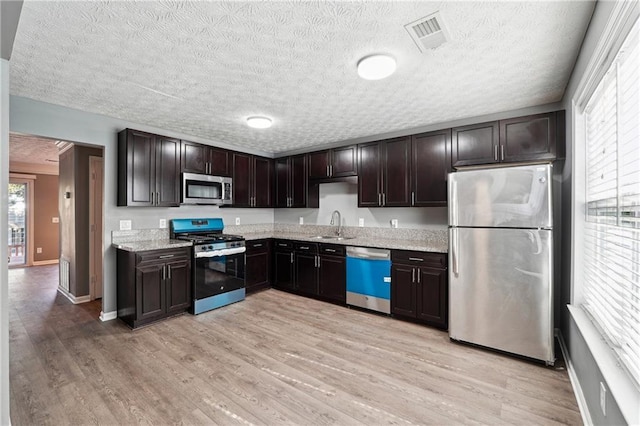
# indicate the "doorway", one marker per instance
pixel 20 224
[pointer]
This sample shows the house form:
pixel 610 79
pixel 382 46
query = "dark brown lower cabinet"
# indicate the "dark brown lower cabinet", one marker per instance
pixel 153 285
pixel 332 280
pixel 311 269
pixel 283 258
pixel 257 265
pixel 306 266
pixel 419 287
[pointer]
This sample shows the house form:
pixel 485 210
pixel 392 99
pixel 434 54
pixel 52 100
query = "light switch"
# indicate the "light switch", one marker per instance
pixel 125 225
pixel 301 220
pixel 237 221
pixel 361 222
pixel 394 223
pixel 163 223
pixel 55 220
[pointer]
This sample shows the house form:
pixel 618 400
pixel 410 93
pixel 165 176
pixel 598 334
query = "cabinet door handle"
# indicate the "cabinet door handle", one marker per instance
pixel 282 245
pixel 418 274
pixel 416 259
pixel 384 199
pixel 327 170
pixel 330 250
pixel 379 199
pixel 291 257
pixel 152 195
pixel 257 245
pixel 502 152
pixel 304 248
pixel 413 198
pixel 166 256
pixel 495 152
pixel 157 198
pixel 164 272
pixel 169 271
pixel 413 275
pixel 331 170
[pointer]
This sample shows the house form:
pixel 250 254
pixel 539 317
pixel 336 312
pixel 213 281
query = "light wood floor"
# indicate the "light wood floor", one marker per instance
pixel 274 358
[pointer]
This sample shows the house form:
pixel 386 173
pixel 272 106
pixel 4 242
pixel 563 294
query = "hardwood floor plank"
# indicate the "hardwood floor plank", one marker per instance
pixel 274 358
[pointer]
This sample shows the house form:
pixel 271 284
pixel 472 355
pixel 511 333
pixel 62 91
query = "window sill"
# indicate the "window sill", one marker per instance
pixel 621 385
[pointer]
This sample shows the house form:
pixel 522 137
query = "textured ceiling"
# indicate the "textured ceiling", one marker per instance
pixel 32 150
pixel 201 68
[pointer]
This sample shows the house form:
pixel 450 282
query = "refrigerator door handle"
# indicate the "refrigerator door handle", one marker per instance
pixel 453 203
pixel 454 251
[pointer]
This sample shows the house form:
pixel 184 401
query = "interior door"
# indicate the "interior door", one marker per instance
pixel 95 226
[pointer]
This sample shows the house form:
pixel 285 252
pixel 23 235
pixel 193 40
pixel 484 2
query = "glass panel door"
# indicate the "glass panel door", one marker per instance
pixel 17 223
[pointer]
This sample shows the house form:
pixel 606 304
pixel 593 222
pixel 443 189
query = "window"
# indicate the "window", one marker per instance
pixel 611 261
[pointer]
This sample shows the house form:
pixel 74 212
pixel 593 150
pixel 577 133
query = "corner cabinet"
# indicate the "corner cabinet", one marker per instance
pixel 531 138
pixel 291 181
pixel 148 170
pixel 252 181
pixel 153 285
pixel 419 287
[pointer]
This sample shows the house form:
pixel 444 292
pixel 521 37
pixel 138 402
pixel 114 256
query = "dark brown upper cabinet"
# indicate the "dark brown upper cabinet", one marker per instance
pixel 204 159
pixel 384 172
pixel 529 138
pixel 333 163
pixel 475 144
pixel 252 181
pixel 148 170
pixel 430 168
pixel 291 181
pixel 521 139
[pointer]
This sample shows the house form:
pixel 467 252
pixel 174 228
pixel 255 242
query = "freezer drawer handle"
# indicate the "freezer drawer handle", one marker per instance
pixel 416 259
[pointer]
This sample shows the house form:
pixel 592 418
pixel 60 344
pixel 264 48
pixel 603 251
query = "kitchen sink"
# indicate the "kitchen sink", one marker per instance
pixel 333 237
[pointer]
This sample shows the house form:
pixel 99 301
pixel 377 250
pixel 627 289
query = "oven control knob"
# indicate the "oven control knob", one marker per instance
pixel 210 247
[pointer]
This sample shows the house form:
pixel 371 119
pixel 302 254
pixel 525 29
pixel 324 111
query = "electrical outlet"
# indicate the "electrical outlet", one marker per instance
pixel 394 223
pixel 301 220
pixel 603 399
pixel 38 249
pixel 361 222
pixel 55 220
pixel 237 221
pixel 163 223
pixel 125 225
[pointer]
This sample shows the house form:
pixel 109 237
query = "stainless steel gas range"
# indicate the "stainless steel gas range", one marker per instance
pixel 217 262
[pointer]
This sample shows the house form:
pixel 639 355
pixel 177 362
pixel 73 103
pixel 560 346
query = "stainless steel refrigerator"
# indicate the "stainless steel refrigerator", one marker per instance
pixel 501 259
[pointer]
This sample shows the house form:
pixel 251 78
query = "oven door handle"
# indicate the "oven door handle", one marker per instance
pixel 222 252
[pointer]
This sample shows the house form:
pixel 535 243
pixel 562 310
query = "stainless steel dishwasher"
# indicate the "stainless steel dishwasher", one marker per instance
pixel 369 278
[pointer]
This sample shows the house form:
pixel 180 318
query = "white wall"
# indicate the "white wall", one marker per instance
pixel 38 118
pixel 343 197
pixel 4 272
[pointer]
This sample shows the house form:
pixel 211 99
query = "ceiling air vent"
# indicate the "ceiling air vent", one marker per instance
pixel 428 32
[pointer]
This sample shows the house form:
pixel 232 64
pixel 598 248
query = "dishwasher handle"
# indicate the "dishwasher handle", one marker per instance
pixel 368 253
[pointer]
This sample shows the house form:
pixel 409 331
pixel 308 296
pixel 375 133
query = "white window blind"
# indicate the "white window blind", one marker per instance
pixel 611 260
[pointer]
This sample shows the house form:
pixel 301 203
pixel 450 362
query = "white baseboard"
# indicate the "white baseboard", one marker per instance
pixel 46 262
pixel 75 300
pixel 575 384
pixel 108 316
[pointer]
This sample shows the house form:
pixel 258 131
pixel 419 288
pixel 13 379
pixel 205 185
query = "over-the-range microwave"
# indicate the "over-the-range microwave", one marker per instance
pixel 205 189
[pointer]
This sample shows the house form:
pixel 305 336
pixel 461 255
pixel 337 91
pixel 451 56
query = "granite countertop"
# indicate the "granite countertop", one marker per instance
pixel 145 245
pixel 434 245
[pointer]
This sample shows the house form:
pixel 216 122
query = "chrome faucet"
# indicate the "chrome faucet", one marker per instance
pixel 339 224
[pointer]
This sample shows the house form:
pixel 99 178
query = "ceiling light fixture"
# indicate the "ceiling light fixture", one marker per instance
pixel 376 67
pixel 258 122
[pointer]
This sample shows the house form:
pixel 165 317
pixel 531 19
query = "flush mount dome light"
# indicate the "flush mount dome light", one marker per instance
pixel 258 122
pixel 376 67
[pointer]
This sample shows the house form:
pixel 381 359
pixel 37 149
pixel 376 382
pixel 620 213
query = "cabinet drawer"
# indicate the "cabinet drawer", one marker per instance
pixel 283 244
pixel 333 250
pixel 163 255
pixel 257 246
pixel 306 247
pixel 437 260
